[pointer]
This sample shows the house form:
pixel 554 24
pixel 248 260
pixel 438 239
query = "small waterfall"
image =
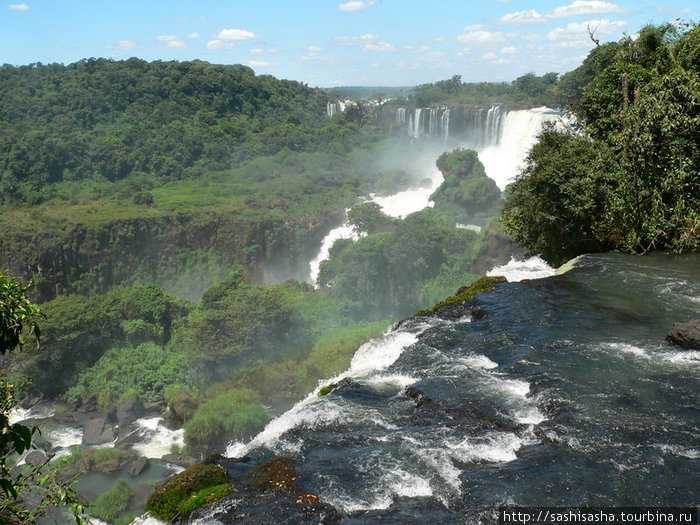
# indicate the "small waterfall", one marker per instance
pixel 433 122
pixel 401 116
pixel 410 126
pixel 334 107
pixel 445 124
pixel 418 124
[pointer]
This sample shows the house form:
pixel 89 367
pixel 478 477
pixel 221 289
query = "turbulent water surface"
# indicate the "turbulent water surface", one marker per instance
pixel 554 391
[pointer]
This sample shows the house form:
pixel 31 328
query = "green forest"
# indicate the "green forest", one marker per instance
pixel 150 208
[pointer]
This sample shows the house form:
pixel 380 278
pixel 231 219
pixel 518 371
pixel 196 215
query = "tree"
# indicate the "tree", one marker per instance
pixel 16 314
pixel 368 217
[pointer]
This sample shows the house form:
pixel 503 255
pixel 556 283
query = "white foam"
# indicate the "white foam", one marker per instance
pixel 677 450
pixel 477 361
pixel 377 354
pixel 157 439
pixel 63 436
pixel 679 358
pixel 517 270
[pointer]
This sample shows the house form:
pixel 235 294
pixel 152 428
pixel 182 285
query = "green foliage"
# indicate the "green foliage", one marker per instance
pixel 466 191
pixel 16 313
pixel 182 402
pixel 204 498
pixel 111 504
pixel 145 370
pixel 368 217
pixel 78 331
pixel 466 293
pixel 635 184
pixel 383 273
pixel 233 414
pixel 173 499
pixel 324 391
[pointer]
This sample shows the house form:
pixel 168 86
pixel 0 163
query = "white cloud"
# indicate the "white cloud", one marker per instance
pixel 19 7
pixel 379 47
pixel 219 44
pixel 474 27
pixel 523 18
pixel 260 63
pixel 579 30
pixel 509 50
pixel 490 56
pixel 314 50
pixel 532 37
pixel 192 36
pixel 234 35
pixel 257 51
pixel 355 5
pixel 355 40
pixel 484 37
pixel 124 44
pixel 176 44
pixel 167 38
pixel 585 8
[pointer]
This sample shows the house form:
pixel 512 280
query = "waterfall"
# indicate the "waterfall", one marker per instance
pixel 433 122
pixel 401 116
pixel 334 107
pixel 511 137
pixel 418 124
pixel 445 124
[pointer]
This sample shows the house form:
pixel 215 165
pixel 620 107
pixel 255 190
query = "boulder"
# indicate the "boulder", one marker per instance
pixel 138 466
pixel 35 457
pixel 685 335
pixel 129 411
pixel 97 431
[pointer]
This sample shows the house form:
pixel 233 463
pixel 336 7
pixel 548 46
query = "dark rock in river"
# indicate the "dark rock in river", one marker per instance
pixel 97 431
pixel 35 457
pixel 129 411
pixel 138 466
pixel 685 335
pixel 180 459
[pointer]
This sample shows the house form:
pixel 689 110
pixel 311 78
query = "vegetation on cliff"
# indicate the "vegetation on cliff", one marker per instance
pixel 631 179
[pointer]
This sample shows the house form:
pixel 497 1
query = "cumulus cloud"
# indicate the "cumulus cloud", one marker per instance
pixel 192 36
pixel 379 47
pixel 523 18
pixel 355 40
pixel 586 8
pixel 579 30
pixel 219 44
pixel 484 37
pixel 576 8
pixel 19 7
pixel 176 44
pixel 474 27
pixel 355 5
pixel 232 35
pixel 509 50
pixel 167 38
pixel 123 44
pixel 260 63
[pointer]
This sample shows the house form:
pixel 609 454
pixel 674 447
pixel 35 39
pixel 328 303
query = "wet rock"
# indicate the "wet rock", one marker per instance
pixel 35 457
pixel 98 431
pixel 180 459
pixel 685 335
pixel 127 438
pixel 88 405
pixel 129 411
pixel 138 466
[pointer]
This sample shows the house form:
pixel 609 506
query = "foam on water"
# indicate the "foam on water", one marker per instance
pixel 63 436
pixel 477 361
pixel 517 270
pixel 675 357
pixel 156 439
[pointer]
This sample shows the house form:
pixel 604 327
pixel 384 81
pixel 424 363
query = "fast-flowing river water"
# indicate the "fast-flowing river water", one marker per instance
pixel 554 391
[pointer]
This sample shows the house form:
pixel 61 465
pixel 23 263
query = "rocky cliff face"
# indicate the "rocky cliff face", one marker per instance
pixel 183 253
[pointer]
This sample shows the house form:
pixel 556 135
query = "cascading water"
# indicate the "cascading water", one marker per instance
pixel 554 392
pixel 511 140
pixel 445 124
pixel 401 116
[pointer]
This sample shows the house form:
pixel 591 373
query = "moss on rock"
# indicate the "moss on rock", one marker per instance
pixel 198 486
pixel 466 293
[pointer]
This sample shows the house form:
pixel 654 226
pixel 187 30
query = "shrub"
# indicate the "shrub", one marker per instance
pixel 112 503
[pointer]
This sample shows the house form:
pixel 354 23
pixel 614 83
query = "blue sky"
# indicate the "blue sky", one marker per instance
pixel 332 42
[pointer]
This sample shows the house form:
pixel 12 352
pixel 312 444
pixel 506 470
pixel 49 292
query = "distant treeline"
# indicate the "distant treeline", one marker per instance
pixel 112 119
